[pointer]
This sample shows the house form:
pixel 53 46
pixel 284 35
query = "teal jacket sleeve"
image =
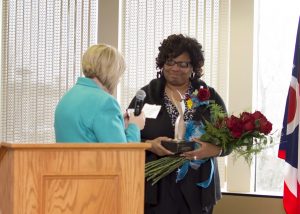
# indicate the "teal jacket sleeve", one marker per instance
pixel 108 125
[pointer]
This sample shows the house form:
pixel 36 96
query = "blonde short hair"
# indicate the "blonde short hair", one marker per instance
pixel 105 63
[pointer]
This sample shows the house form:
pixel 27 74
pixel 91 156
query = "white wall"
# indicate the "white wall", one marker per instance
pixel 240 82
pixel 108 19
pixel 241 55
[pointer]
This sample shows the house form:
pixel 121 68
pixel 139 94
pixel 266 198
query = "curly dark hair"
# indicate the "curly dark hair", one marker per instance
pixel 177 44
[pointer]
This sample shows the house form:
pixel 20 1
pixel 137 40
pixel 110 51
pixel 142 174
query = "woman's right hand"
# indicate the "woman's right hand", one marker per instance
pixel 137 120
pixel 157 148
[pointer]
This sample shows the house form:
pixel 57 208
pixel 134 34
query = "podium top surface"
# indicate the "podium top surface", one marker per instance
pixel 31 145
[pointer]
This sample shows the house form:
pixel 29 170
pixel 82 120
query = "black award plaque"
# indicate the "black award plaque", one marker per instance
pixel 178 147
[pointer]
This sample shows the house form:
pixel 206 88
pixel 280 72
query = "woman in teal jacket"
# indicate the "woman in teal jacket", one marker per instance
pixel 88 112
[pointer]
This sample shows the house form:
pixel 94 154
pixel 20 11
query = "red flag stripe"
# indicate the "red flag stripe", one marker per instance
pixel 282 154
pixel 290 201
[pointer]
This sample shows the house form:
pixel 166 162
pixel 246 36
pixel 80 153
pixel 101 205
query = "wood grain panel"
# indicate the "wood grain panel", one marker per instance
pixel 74 179
pixel 6 181
pixel 77 194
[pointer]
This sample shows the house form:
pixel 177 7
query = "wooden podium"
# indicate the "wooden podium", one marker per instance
pixel 72 178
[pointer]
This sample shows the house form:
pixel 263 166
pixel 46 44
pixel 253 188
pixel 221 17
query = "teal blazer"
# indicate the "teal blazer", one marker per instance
pixel 86 113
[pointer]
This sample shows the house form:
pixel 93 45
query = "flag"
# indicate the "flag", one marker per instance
pixel 290 140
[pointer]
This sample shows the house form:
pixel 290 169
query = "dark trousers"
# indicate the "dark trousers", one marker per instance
pixel 171 200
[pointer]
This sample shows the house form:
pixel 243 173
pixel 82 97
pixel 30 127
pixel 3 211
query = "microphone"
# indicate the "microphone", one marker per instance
pixel 139 101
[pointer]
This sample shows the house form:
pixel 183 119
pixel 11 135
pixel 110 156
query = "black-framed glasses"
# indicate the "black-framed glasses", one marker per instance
pixel 180 64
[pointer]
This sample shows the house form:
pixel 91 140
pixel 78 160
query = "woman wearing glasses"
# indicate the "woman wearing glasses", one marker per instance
pixel 179 63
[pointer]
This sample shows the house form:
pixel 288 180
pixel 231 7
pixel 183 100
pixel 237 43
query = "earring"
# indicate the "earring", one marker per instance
pixel 195 75
pixel 158 74
pixel 192 75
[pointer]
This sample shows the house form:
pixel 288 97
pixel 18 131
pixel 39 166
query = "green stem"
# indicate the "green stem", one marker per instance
pixel 171 169
pixel 161 164
pixel 158 173
pixel 160 161
pixel 161 168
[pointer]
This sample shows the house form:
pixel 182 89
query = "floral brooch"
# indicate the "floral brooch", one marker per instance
pixel 198 97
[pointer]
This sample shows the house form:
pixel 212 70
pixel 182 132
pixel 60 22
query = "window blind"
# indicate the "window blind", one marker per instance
pixel 42 44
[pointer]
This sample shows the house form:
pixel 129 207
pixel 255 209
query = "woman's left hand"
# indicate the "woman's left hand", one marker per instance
pixel 206 150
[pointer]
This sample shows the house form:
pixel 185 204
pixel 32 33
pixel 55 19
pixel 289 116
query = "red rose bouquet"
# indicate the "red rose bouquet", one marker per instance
pixel 246 135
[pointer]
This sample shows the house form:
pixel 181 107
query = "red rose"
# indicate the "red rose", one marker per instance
pixel 249 126
pixel 265 126
pixel 258 115
pixel 248 121
pixel 235 126
pixel 203 94
pixel 246 117
pixel 232 121
pixel 236 134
